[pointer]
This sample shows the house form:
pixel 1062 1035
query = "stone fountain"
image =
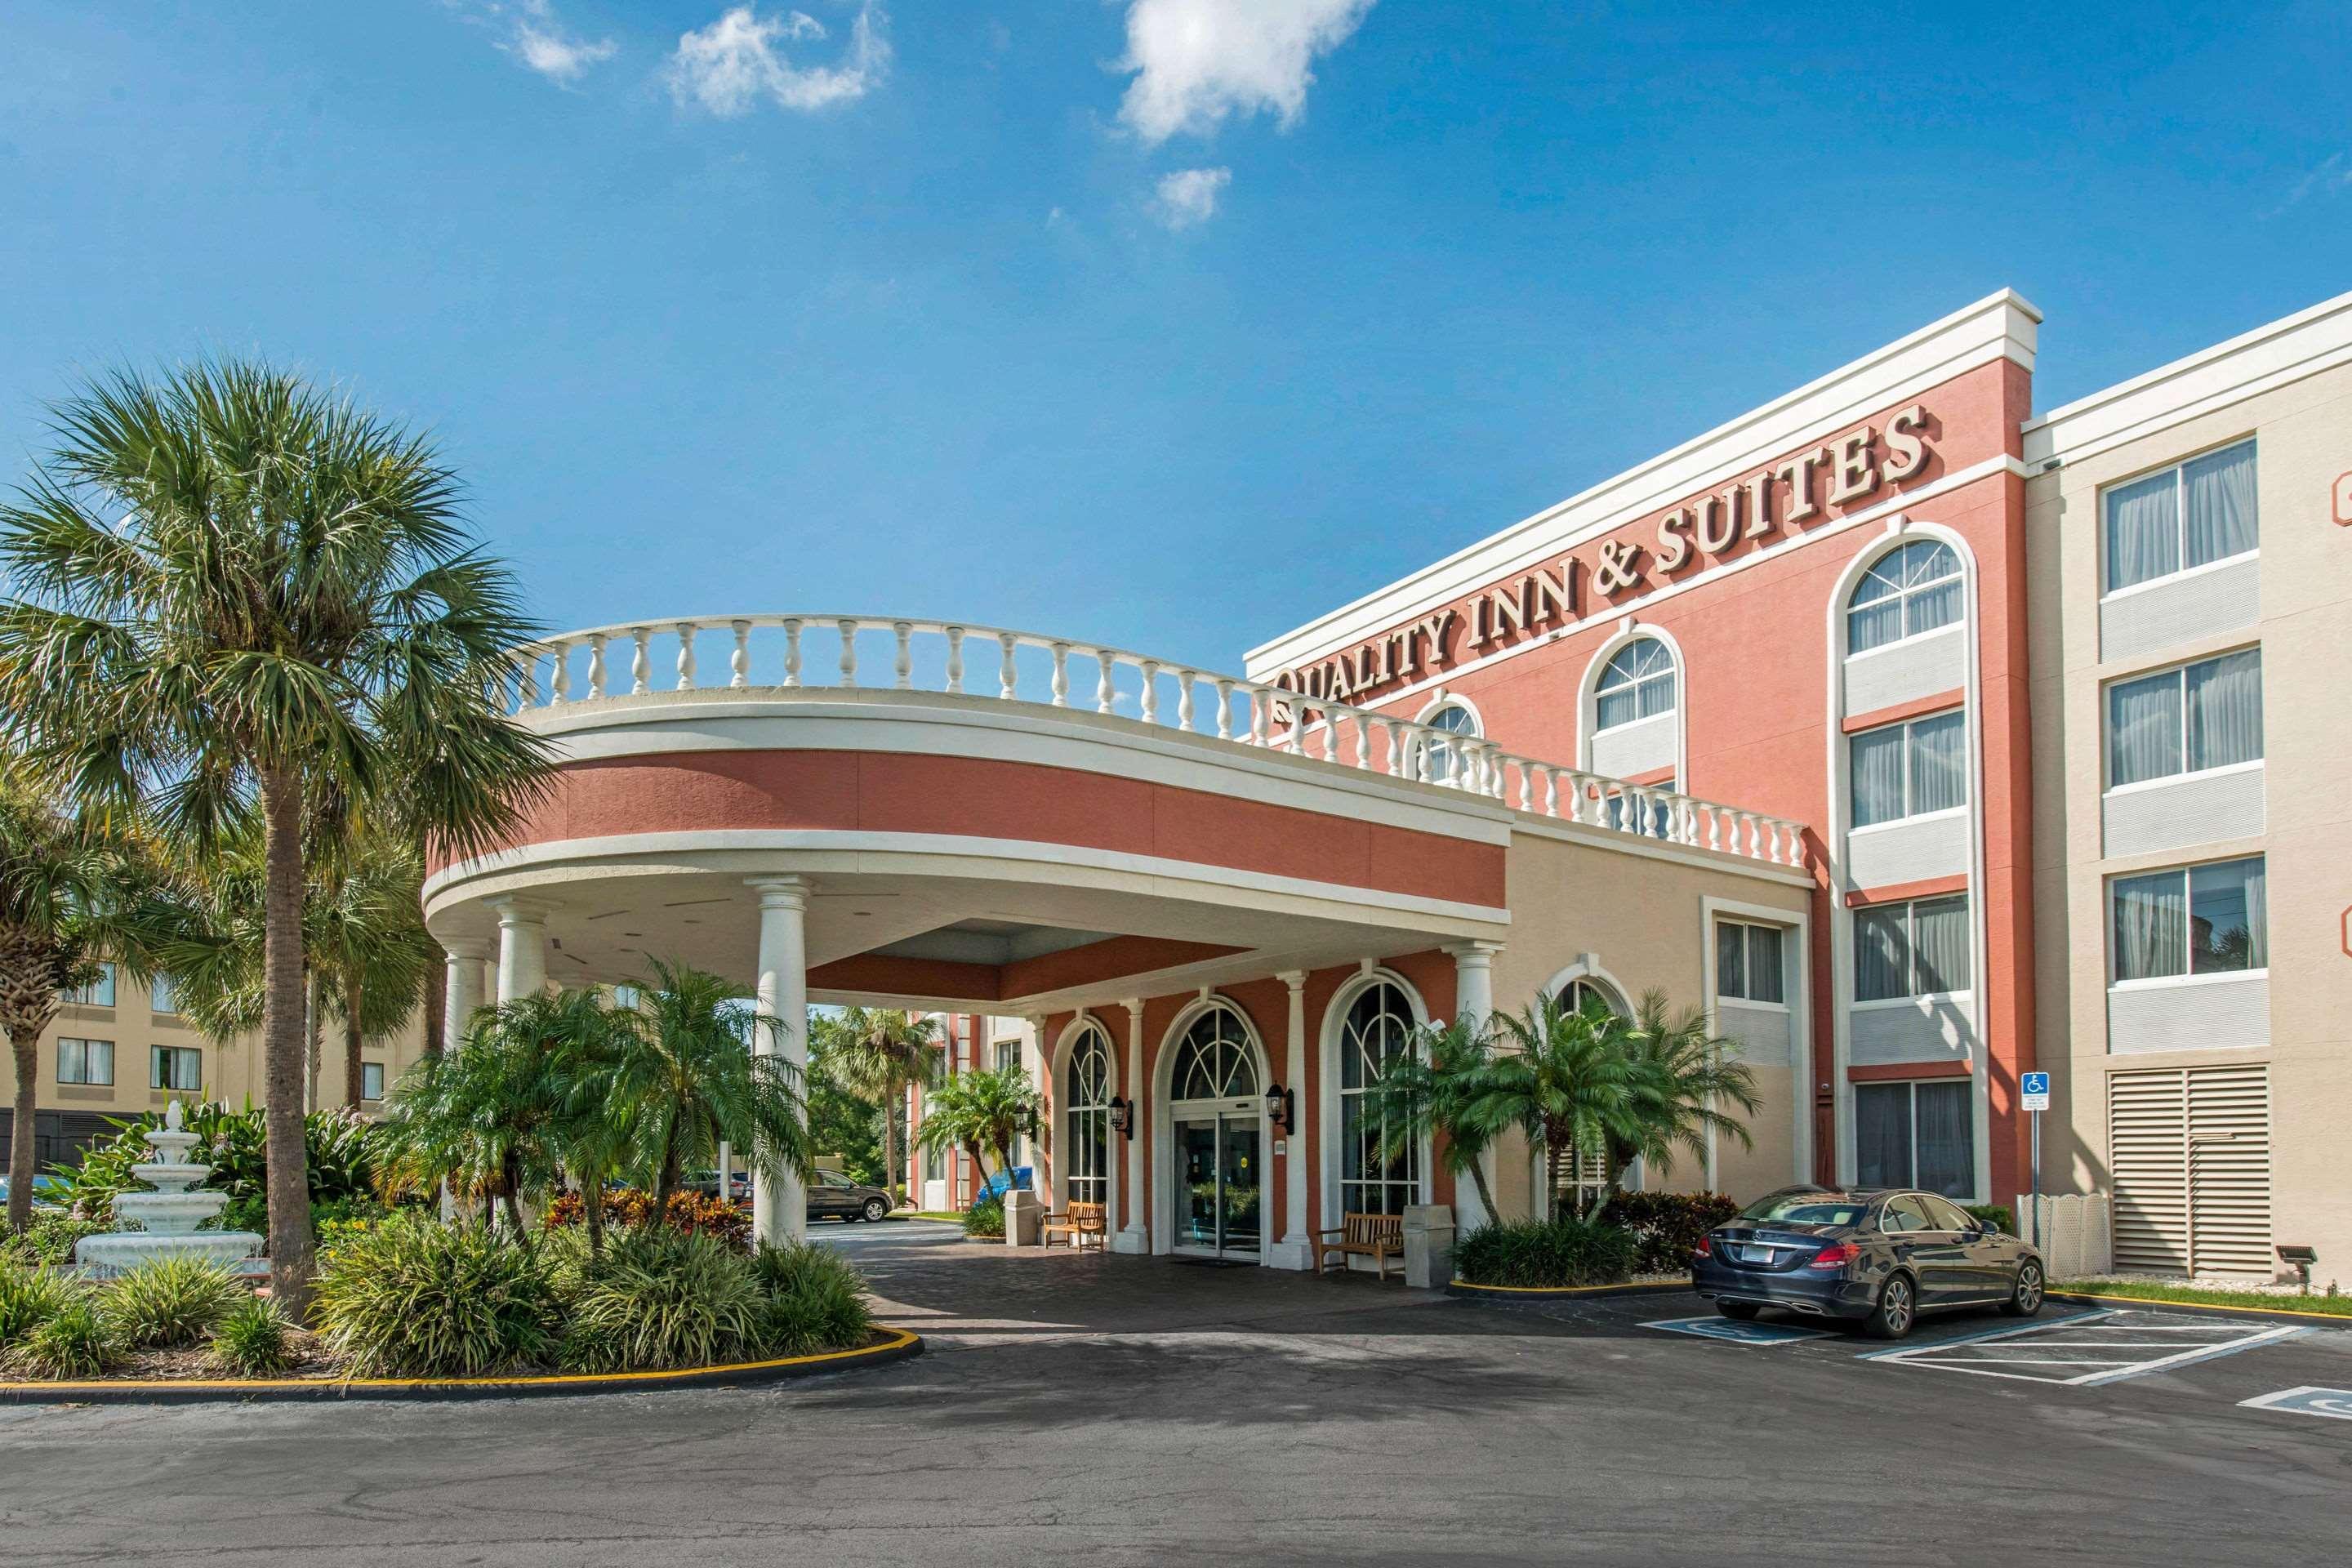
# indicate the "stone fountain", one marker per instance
pixel 168 1217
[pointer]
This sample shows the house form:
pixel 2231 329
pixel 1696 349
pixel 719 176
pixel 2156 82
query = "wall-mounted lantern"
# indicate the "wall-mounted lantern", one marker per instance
pixel 1122 1117
pixel 1282 1109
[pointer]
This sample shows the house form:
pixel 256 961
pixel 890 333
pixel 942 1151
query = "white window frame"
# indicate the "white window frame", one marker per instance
pixel 105 985
pixel 2180 469
pixel 1415 1181
pixel 1425 750
pixel 1911 1100
pixel 1967 802
pixel 1672 675
pixel 376 1069
pixel 2187 976
pixel 1903 596
pixel 1748 963
pixel 1092 1037
pixel 83 1079
pixel 2179 672
pixel 1911 950
pixel 158 1056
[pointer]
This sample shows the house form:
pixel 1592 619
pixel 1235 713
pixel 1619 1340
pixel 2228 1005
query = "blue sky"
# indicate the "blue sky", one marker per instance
pixel 1168 323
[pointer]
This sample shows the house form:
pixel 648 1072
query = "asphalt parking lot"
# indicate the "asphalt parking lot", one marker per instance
pixel 1115 1410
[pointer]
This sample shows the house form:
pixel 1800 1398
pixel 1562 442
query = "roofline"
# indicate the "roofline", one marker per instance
pixel 2001 325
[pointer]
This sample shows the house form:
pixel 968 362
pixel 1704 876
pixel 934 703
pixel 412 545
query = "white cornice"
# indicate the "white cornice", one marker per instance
pixel 1999 326
pixel 2253 363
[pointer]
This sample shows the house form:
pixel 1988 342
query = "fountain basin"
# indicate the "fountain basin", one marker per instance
pixel 119 1251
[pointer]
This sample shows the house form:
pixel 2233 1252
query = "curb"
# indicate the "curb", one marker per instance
pixel 1464 1290
pixel 896 1345
pixel 2330 1319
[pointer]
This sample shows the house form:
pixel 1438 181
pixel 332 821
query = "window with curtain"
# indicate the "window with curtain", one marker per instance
pixel 161 997
pixel 1441 759
pixel 1086 1095
pixel 1748 963
pixel 2186 720
pixel 1638 682
pixel 1376 1032
pixel 99 992
pixel 371 1081
pixel 175 1068
pixel 1911 589
pixel 1909 769
pixel 2195 919
pixel 86 1062
pixel 1916 1135
pixel 1915 948
pixel 2185 517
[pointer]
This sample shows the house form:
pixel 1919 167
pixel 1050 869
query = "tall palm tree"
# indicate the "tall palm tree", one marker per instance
pixel 74 890
pixel 1684 1079
pixel 1566 1078
pixel 1429 1094
pixel 975 1111
pixel 880 1054
pixel 236 594
pixel 687 1080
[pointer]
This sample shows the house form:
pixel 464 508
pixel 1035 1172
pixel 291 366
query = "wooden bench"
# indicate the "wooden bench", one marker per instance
pixel 1082 1223
pixel 1379 1236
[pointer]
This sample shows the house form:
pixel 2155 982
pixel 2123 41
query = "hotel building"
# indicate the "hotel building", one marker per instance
pixel 1924 741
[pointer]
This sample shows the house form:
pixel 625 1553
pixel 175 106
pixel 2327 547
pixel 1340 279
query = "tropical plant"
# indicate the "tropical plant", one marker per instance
pixel 343 1160
pixel 75 890
pixel 815 1301
pixel 415 1297
pixel 983 1111
pixel 78 1340
pixel 1566 1079
pixel 1428 1094
pixel 484 1115
pixel 252 1340
pixel 1667 1226
pixel 50 1239
pixel 687 1080
pixel 166 1302
pixel 1547 1254
pixel 29 1297
pixel 878 1054
pixel 1684 1077
pixel 663 1297
pixel 236 595
pixel 633 1207
pixel 985 1220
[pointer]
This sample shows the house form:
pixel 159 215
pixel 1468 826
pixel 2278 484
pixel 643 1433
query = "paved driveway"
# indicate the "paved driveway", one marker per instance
pixel 1113 1410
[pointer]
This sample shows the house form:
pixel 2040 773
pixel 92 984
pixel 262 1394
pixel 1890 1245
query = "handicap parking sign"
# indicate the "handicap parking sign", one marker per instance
pixel 1739 1331
pixel 2035 1088
pixel 2306 1401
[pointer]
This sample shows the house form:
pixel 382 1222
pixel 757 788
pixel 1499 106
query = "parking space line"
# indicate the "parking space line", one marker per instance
pixel 1981 1335
pixel 1738 1331
pixel 2202 1352
pixel 1986 1355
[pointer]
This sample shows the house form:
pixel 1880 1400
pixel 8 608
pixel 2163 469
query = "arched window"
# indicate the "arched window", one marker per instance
pixel 1214 1060
pixel 1376 1033
pixel 1911 589
pixel 1440 761
pixel 1637 683
pixel 1583 1185
pixel 1086 1094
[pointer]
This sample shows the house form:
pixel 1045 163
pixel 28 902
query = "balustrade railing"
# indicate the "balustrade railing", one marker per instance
pixel 970 660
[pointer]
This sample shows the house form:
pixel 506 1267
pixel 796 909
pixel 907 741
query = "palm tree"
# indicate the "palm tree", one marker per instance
pixel 687 1080
pixel 1429 1093
pixel 1682 1076
pixel 1566 1078
pixel 74 890
pixel 879 1053
pixel 237 595
pixel 982 1110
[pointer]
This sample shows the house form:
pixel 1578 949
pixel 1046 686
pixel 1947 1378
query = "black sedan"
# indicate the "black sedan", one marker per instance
pixel 1880 1257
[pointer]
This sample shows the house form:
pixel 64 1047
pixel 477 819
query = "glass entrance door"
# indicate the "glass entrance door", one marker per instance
pixel 1219 1181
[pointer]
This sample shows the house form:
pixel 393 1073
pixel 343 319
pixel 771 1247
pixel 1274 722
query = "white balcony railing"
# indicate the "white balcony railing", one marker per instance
pixel 988 662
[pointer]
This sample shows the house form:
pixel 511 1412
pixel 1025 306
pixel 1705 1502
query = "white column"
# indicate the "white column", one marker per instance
pixel 1136 1236
pixel 522 948
pixel 1474 1002
pixel 463 993
pixel 1293 1252
pixel 779 1200
pixel 1045 1156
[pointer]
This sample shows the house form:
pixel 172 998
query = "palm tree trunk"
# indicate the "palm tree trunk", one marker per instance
pixel 592 1201
pixel 353 1078
pixel 282 1030
pixel 513 1202
pixel 1551 1176
pixel 890 1172
pixel 314 1040
pixel 26 1048
pixel 1485 1194
pixel 437 1007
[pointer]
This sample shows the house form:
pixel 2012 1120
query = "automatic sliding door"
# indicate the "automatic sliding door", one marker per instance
pixel 1197 1189
pixel 1239 1174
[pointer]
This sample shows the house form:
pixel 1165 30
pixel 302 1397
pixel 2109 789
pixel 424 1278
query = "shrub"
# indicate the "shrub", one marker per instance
pixel 344 1157
pixel 415 1297
pixel 985 1218
pixel 661 1298
pixel 628 1207
pixel 1667 1226
pixel 1547 1254
pixel 29 1297
pixel 251 1340
pixel 815 1301
pixel 50 1239
pixel 167 1302
pixel 75 1341
pixel 1998 1215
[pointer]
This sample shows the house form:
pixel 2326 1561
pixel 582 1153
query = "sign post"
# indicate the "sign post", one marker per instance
pixel 2035 1089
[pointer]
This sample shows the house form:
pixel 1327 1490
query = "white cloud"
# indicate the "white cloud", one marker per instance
pixel 729 66
pixel 2332 175
pixel 536 36
pixel 1189 196
pixel 1197 61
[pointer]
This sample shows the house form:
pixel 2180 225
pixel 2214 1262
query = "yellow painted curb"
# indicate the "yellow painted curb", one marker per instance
pixel 896 1345
pixel 2345 1318
pixel 1630 1288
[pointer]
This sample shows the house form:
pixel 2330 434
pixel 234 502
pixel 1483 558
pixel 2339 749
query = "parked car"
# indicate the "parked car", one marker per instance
pixel 738 1185
pixel 834 1195
pixel 1880 1257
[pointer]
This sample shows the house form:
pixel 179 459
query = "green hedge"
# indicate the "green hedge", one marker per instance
pixel 1537 1254
pixel 1667 1226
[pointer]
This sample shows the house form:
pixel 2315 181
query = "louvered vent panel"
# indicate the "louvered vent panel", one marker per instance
pixel 2147 1128
pixel 2229 1170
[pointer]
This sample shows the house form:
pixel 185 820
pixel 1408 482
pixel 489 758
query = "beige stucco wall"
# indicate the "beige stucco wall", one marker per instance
pixel 2304 433
pixel 1639 924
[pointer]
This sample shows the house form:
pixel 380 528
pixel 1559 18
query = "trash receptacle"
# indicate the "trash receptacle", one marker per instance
pixel 1428 1245
pixel 1025 1219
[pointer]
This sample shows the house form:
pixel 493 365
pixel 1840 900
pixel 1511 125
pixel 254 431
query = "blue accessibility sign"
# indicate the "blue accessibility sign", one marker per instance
pixel 2306 1401
pixel 1738 1331
pixel 2035 1088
